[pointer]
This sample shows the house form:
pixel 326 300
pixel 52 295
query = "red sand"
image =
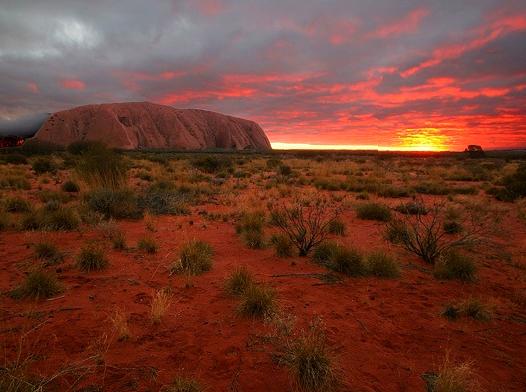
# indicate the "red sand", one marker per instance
pixel 384 333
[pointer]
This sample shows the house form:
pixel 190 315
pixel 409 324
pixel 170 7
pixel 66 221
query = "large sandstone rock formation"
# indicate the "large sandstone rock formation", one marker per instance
pixel 138 125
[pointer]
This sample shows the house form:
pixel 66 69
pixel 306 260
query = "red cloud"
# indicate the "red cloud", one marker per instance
pixel 33 87
pixel 408 24
pixel 210 7
pixel 73 84
pixel 484 35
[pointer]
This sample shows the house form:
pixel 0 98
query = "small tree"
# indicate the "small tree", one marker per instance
pixel 305 224
pixel 423 232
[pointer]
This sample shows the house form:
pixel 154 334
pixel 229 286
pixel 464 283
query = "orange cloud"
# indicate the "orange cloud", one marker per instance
pixel 408 24
pixel 73 84
pixel 484 36
pixel 33 87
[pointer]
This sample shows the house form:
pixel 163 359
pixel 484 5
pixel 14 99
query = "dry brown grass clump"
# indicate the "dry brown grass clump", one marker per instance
pixel 92 258
pixel 310 361
pixel 195 258
pixel 148 245
pixel 184 384
pixel 472 307
pixel 39 284
pixel 239 281
pixel 160 303
pixel 119 320
pixel 453 377
pixel 258 301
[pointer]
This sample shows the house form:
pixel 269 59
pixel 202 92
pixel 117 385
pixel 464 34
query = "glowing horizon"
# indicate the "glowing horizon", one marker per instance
pixel 353 147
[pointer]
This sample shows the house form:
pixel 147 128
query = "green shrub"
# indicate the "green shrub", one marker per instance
pixel 17 204
pixel 382 265
pixel 48 252
pixel 284 170
pixel 258 301
pixel 91 258
pixel 339 258
pixel 195 258
pixel 311 363
pixel 412 208
pixel 515 184
pixel 51 219
pixel 118 204
pixel 70 186
pixel 347 261
pixel 337 227
pixel 324 251
pixel 251 221
pixel 433 188
pixel 374 211
pixel 213 164
pixel 239 281
pixel 250 227
pixel 254 239
pixel 455 266
pixel 393 192
pixel 164 200
pixel 38 284
pixel 102 168
pixel 148 245
pixel 44 165
pixel 282 245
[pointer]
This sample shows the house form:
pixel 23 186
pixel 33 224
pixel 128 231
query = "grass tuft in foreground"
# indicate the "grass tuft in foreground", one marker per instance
pixel 195 258
pixel 161 301
pixel 454 265
pixel 239 281
pixel 310 361
pixel 382 265
pixel 38 285
pixel 258 301
pixel 48 252
pixel 453 377
pixel 92 258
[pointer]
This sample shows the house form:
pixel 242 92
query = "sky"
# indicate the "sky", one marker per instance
pixel 388 74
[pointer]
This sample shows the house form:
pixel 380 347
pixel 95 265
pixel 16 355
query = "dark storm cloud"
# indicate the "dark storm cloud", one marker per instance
pixel 345 71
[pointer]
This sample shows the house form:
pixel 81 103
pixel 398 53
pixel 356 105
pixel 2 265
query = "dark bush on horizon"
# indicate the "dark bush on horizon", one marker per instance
pixel 213 164
pixel 83 146
pixel 15 159
pixel 37 147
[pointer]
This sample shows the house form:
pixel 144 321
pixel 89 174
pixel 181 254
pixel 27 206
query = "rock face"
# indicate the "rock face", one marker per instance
pixel 137 125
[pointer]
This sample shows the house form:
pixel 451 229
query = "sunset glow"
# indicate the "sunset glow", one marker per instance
pixel 407 75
